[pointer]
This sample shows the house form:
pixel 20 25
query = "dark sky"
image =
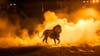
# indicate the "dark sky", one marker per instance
pixel 33 8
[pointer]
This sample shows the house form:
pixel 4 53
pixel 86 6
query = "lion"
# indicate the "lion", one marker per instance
pixel 53 34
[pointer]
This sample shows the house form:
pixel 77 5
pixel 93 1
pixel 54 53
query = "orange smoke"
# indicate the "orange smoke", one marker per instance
pixel 83 32
pixel 86 13
pixel 73 34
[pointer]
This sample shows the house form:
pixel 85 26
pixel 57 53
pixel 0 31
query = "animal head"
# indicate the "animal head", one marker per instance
pixel 57 29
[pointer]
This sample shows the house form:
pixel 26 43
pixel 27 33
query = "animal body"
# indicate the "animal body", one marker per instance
pixel 53 34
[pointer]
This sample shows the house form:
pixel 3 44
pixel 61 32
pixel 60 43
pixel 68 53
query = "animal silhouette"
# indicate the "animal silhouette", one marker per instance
pixel 53 34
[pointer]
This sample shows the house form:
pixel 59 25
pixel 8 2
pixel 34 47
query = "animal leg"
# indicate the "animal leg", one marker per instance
pixel 58 41
pixel 55 41
pixel 45 39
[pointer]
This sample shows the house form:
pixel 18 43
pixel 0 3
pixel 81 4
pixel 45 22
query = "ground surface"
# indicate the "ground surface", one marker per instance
pixel 51 51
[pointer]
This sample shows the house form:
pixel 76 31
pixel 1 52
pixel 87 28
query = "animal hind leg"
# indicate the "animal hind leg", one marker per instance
pixel 45 40
pixel 55 41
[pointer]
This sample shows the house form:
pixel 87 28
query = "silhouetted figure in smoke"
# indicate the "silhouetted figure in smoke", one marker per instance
pixel 53 34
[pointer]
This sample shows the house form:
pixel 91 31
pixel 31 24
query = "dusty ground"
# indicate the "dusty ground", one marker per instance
pixel 51 51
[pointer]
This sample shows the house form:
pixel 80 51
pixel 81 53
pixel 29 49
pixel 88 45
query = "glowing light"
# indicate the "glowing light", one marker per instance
pixel 86 13
pixel 14 4
pixel 95 1
pixel 85 1
pixel 11 4
pixel 90 11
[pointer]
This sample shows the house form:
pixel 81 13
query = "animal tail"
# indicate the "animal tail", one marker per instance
pixel 37 32
pixel 41 36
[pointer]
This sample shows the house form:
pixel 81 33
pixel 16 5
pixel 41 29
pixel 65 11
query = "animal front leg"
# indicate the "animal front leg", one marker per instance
pixel 46 41
pixel 58 41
